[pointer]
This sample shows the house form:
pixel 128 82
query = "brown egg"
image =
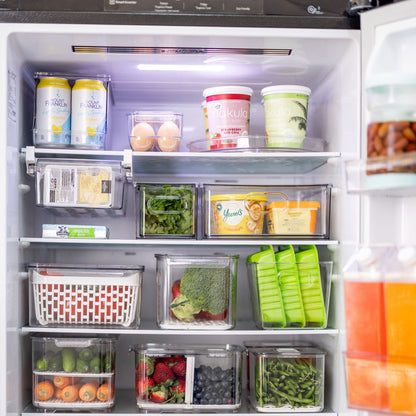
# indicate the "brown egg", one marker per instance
pixel 168 137
pixel 142 137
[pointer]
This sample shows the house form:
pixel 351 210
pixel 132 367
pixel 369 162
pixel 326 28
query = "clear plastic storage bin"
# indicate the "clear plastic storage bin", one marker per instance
pixel 289 289
pixel 166 211
pixel 71 111
pixel 94 295
pixel 155 131
pixel 286 379
pixel 80 186
pixel 301 211
pixel 73 373
pixel 196 292
pixel 173 378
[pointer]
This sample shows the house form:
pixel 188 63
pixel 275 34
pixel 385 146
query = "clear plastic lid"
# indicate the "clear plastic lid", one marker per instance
pixel 288 352
pixel 291 89
pixel 83 266
pixel 157 349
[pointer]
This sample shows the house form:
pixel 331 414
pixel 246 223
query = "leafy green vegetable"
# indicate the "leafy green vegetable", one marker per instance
pixel 168 209
pixel 206 288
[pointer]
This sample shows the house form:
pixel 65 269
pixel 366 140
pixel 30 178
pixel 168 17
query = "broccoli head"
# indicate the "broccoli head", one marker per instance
pixel 206 288
pixel 183 309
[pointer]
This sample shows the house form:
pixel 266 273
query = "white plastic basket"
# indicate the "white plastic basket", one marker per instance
pixel 90 299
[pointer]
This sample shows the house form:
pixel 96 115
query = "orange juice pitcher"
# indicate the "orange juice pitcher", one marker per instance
pixel 400 331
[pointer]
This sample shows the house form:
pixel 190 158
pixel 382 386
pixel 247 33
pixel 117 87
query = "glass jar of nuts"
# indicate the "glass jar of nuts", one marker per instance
pixel 391 130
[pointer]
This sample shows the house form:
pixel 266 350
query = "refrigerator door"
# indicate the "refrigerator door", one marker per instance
pixel 388 57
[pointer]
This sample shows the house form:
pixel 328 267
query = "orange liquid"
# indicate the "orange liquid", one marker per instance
pixel 401 342
pixel 365 317
pixel 402 384
pixel 401 318
pixel 367 382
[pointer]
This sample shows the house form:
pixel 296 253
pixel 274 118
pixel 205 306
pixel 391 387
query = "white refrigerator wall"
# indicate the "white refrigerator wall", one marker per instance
pixel 327 61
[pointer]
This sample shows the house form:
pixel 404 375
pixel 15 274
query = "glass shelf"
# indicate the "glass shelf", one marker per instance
pixel 206 163
pixel 125 404
pixel 243 328
pixel 25 242
pixel 228 163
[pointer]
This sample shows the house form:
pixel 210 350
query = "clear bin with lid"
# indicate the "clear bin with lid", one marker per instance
pixel 260 211
pixel 155 131
pixel 172 378
pixel 196 292
pixel 74 186
pixel 287 379
pixel 166 211
pixel 84 295
pixel 73 373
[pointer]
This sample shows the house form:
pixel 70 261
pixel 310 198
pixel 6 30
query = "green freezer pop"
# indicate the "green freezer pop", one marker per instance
pixel 290 287
pixel 310 285
pixel 270 297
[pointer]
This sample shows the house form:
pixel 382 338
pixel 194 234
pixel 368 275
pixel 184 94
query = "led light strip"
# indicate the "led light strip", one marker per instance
pixel 177 51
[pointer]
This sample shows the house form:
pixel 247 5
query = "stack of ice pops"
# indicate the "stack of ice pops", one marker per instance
pixel 289 289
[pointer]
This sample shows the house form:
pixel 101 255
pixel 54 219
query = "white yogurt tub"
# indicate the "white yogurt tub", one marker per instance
pixel 228 110
pixel 285 111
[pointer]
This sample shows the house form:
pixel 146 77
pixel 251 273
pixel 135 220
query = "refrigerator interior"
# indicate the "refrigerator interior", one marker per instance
pixel 327 61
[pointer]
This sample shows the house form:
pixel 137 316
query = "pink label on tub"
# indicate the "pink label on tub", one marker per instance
pixel 228 116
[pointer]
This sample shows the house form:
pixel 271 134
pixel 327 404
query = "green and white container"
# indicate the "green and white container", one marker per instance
pixel 285 110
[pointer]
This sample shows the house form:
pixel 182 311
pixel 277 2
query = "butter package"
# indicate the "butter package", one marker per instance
pixel 74 231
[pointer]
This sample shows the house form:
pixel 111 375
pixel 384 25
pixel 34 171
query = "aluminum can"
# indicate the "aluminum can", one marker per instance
pixel 53 112
pixel 89 113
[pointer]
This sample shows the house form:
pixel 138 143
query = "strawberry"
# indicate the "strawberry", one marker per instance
pixel 163 374
pixel 179 386
pixel 176 289
pixel 158 396
pixel 143 386
pixel 179 368
pixel 145 367
pixel 206 316
pixel 178 390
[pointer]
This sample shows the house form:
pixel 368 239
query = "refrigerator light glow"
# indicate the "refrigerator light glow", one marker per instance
pixel 197 68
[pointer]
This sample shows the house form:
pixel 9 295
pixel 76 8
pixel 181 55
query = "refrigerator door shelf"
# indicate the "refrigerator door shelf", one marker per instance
pixel 383 176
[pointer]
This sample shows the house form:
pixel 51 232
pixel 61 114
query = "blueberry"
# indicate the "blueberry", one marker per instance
pixel 218 401
pixel 201 376
pixel 225 384
pixel 198 395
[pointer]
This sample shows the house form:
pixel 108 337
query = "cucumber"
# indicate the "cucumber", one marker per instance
pixel 55 363
pixel 68 359
pixel 82 366
pixel 86 354
pixel 95 365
